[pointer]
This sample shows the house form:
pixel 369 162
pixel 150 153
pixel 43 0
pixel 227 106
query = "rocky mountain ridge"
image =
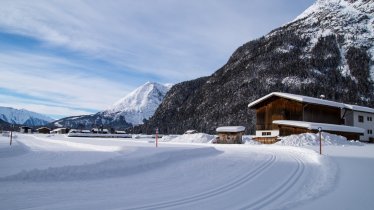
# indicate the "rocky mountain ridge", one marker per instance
pixel 326 50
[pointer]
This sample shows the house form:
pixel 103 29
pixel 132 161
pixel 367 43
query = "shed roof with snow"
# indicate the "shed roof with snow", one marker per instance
pixel 231 129
pixel 311 100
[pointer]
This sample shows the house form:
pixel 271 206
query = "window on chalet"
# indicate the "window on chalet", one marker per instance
pixel 360 118
pixel 266 133
pixel 370 131
pixel 369 118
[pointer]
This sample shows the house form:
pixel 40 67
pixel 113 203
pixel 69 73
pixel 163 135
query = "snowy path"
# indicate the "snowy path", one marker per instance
pixel 65 173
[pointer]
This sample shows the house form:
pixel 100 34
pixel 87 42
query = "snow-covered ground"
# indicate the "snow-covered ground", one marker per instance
pixel 58 172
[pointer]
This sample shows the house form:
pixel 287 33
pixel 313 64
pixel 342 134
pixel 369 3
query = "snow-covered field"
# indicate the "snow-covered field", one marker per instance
pixel 58 172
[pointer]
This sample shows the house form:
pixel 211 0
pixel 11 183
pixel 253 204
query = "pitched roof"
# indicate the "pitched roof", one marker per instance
pixel 359 108
pixel 311 100
pixel 323 126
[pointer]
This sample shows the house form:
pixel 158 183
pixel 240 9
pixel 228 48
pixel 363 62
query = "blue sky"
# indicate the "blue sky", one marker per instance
pixel 72 57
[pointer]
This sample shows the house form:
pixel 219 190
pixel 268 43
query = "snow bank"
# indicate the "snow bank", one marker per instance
pixel 17 148
pixel 7 134
pixel 312 139
pixel 190 138
pixel 201 138
pixel 249 140
pixel 168 138
pixel 149 160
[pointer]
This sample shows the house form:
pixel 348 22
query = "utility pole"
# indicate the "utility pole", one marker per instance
pixel 11 135
pixel 156 137
pixel 320 140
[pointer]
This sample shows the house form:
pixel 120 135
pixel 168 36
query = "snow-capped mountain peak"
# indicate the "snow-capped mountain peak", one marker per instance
pixel 349 22
pixel 140 104
pixel 351 6
pixel 353 20
pixel 132 109
pixel 23 117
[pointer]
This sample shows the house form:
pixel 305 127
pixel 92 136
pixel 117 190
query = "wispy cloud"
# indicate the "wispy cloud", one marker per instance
pixel 52 81
pixel 88 54
pixel 165 38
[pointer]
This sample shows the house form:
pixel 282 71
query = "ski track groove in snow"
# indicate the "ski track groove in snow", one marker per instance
pixel 269 198
pixel 214 192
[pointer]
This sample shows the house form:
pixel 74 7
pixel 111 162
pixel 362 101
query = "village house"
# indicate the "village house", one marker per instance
pixel 60 131
pixel 100 130
pixel 282 114
pixel 44 130
pixel 25 129
pixel 230 134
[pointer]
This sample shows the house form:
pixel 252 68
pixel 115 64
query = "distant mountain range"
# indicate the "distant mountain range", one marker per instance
pixel 327 50
pixel 23 117
pixel 134 109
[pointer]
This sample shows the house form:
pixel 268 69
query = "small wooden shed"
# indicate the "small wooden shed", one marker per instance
pixel 44 130
pixel 230 134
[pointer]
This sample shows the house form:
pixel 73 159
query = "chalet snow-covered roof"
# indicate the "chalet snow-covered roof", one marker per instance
pixel 359 108
pixel 231 129
pixel 299 98
pixel 311 100
pixel 324 126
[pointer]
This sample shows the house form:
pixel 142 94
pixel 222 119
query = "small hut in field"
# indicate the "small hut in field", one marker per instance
pixel 230 134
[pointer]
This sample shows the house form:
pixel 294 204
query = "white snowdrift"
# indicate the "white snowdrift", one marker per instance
pixel 48 143
pixel 190 138
pixel 113 167
pixel 312 139
pixel 17 148
pixel 249 140
pixel 57 169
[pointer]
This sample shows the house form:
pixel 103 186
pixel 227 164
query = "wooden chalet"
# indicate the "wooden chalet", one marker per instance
pixel 230 134
pixel 283 114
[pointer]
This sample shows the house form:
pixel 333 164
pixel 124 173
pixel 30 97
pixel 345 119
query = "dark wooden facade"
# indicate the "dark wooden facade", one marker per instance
pixel 266 140
pixel 288 130
pixel 44 130
pixel 230 137
pixel 277 108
